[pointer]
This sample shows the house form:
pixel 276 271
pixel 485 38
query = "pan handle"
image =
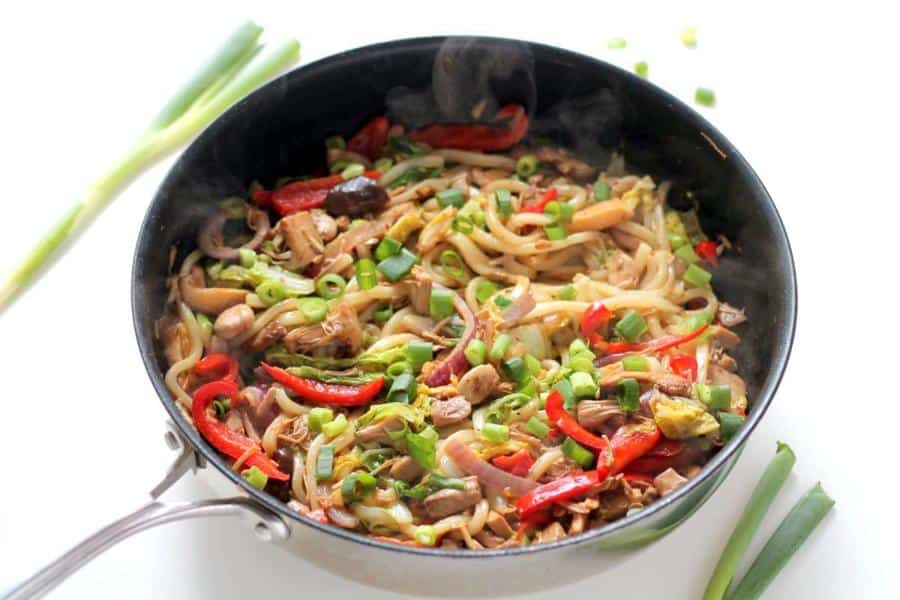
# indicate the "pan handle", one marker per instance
pixel 268 526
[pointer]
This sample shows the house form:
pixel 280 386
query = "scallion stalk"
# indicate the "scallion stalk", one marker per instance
pixel 232 72
pixel 768 487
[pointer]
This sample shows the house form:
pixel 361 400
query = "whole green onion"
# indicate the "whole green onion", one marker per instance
pixel 366 277
pixel 770 483
pixel 232 72
pixel 790 535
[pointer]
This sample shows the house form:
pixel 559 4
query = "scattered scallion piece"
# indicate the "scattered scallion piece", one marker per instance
pixel 403 389
pixel 583 384
pixel 335 142
pixel 313 309
pixel 705 96
pixel 677 241
pixel 617 43
pixel 504 202
pixel 418 353
pixel 635 362
pixel 387 247
pixel 330 285
pixel 318 417
pixel 383 165
pixel 716 397
pixel 567 292
pixel 335 427
pixel 555 232
pixel 515 369
pixel 697 276
pixel 537 428
pixel 577 346
pixel 729 423
pixel 602 191
pixel 231 73
pixel 533 364
pixel 564 387
pixel 559 211
pixel 804 517
pixel 463 224
pixel 631 326
pixel 502 301
pixel 583 363
pixel 421 446
pixel 221 407
pixel 396 369
pixel 398 266
pixel 426 535
pixel 450 197
pixel 440 304
pixel 352 170
pixel 686 253
pixel 206 326
pixel 453 264
pixel 271 292
pixel 325 462
pixel 357 486
pixel 501 344
pixel 689 37
pixel 476 352
pixel 366 277
pixel 527 165
pixel 255 477
pixel 484 290
pixel 628 393
pixel 247 257
pixel 382 314
pixel 494 432
pixel 577 452
pixel 770 483
pixel 642 69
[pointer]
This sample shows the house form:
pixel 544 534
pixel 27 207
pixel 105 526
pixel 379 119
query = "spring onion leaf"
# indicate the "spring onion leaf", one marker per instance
pixel 232 72
pixel 768 487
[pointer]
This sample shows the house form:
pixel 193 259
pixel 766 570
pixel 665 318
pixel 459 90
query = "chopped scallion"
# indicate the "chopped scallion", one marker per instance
pixel 515 369
pixel 555 232
pixel 335 427
pixel 686 252
pixel 440 304
pixel 352 170
pixel 450 197
pixel 564 387
pixel 537 428
pixel 617 43
pixel 255 477
pixel 387 247
pixel 697 276
pixel 635 362
pixel 403 389
pixel 357 486
pixel 319 416
pixel 504 202
pixel 577 452
pixel 271 292
pixel 426 535
pixel 462 224
pixel 453 264
pixel 418 353
pixel 366 277
pixel 527 165
pixel 628 393
pixel 729 423
pixel 501 344
pixel 602 191
pixel 398 266
pixel 476 352
pixel 382 314
pixel 631 326
pixel 484 290
pixel 642 69
pixel 325 463
pixel 567 292
pixel 494 432
pixel 247 257
pixel 689 37
pixel 705 97
pixel 330 285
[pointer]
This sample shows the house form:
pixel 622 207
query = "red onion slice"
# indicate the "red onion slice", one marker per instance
pixel 210 237
pixel 486 473
pixel 456 362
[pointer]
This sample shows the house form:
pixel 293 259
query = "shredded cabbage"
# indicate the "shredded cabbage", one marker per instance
pixel 679 418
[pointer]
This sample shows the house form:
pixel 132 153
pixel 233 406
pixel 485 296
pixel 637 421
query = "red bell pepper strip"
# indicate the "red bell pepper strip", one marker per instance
pixel 684 365
pixel 370 140
pixel 372 175
pixel 570 426
pixel 332 394
pixel 627 444
pixel 477 137
pixel 262 198
pixel 303 195
pixel 708 252
pixel 225 440
pixel 596 316
pixel 630 442
pixel 518 463
pixel 217 366
pixel 667 453
pixel 539 206
pixel 658 345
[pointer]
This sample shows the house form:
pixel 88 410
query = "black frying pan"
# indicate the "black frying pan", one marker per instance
pixel 574 100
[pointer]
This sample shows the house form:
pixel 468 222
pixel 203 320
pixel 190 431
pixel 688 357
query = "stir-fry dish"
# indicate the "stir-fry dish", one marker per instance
pixel 457 338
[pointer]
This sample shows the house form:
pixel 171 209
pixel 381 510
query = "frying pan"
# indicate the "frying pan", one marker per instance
pixel 575 101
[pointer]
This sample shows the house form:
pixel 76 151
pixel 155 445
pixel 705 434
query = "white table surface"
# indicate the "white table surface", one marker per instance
pixel 807 97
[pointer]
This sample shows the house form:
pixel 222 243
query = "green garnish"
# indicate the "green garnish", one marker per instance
pixel 689 37
pixel 255 477
pixel 617 43
pixel 705 96
pixel 642 69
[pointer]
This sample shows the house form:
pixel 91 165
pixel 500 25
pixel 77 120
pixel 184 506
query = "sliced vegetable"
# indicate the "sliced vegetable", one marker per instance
pixel 642 69
pixel 450 197
pixel 708 252
pixel 366 276
pixel 515 369
pixel 729 423
pixel 476 352
pixel 494 432
pixel 477 137
pixel 302 195
pixel 631 326
pixel 271 292
pixel 325 463
pixel 398 266
pixel 685 366
pixel 583 385
pixel 418 353
pixel 255 477
pixel 767 488
pixel 577 452
pixel 527 165
pixel 682 419
pixel 716 397
pixel 330 286
pixel 382 314
pixel 697 276
pixel 217 366
pixel 617 43
pixel 555 232
pixel 487 473
pixel 602 191
pixel 635 362
pixel 596 316
pixel 564 387
pixel 387 247
pixel 421 447
pixel 689 37
pixel 484 290
pixel 426 535
pixel 501 344
pixel 705 96
pixel 657 345
pixel 335 427
pixel 504 202
pixel 317 417
pixel 224 439
pixel 357 486
pixel 440 304
pixel 326 393
pixel 569 425
pixel 403 389
pixel 518 463
pixel 453 264
pixel 537 428
pixel 628 393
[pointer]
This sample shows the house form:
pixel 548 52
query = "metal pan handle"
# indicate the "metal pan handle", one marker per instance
pixel 266 524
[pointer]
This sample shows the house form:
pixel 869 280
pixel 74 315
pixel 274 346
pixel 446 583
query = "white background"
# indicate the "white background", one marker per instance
pixel 808 96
